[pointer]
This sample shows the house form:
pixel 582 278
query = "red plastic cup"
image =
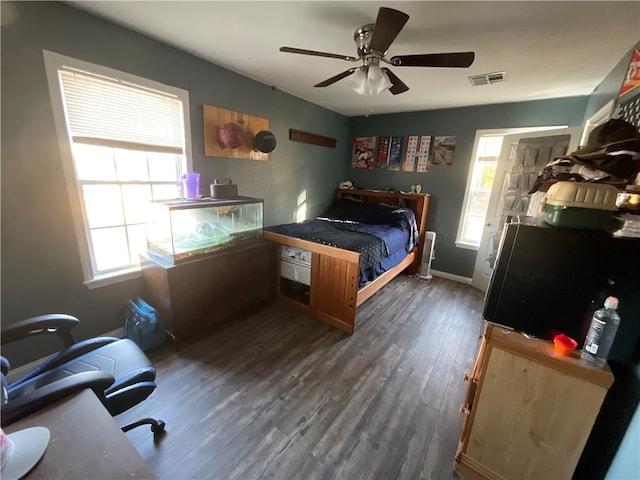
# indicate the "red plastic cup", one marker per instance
pixel 564 345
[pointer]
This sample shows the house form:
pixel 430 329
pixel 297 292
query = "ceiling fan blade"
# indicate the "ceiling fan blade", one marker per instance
pixel 398 86
pixel 317 54
pixel 387 27
pixel 335 78
pixel 451 60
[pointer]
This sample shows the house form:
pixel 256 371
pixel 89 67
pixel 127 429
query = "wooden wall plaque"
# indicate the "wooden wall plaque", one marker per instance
pixel 215 117
pixel 312 138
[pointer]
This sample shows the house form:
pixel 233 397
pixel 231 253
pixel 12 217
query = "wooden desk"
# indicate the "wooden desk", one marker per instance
pixel 86 442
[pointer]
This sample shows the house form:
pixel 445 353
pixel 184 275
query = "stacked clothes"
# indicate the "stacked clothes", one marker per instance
pixel 612 154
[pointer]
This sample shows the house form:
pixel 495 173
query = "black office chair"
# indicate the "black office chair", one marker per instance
pixel 117 370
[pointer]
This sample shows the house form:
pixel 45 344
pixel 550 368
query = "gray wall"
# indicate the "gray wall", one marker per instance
pixel 41 270
pixel 40 263
pixel 447 184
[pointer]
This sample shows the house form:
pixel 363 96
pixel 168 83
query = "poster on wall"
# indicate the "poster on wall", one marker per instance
pixel 416 157
pixel 407 154
pixel 382 155
pixel 632 78
pixel 410 153
pixel 395 153
pixel 364 149
pixel 444 148
pixel 422 159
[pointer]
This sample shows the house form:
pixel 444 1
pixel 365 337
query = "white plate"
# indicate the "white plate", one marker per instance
pixel 27 448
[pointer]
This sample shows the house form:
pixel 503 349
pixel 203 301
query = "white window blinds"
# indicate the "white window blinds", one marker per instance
pixel 102 111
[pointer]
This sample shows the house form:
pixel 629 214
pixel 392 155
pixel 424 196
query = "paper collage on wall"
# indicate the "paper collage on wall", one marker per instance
pixel 443 150
pixel 414 153
pixel 628 103
pixel 632 78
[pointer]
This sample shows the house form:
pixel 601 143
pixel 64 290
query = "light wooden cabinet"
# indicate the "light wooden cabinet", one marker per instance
pixel 528 412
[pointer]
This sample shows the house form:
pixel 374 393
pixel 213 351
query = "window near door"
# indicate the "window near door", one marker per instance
pixel 479 191
pixel 123 143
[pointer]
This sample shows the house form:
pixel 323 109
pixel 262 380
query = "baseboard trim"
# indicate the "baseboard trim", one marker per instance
pixel 451 276
pixel 17 372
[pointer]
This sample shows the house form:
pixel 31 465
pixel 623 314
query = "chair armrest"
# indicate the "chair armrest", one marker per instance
pixel 57 323
pixel 63 356
pixel 42 397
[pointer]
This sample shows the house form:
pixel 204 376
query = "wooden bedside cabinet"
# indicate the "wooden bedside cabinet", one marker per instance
pixel 528 412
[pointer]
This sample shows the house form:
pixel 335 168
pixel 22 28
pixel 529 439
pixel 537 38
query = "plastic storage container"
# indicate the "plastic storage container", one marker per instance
pixel 579 205
pixel 601 334
pixel 180 230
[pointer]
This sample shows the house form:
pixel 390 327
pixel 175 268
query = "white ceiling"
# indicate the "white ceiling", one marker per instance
pixel 548 49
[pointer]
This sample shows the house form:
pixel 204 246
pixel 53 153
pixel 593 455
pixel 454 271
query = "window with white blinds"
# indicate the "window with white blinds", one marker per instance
pixel 124 144
pixel 107 112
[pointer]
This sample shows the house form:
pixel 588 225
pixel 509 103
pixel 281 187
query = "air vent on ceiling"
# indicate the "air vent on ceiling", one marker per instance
pixel 488 78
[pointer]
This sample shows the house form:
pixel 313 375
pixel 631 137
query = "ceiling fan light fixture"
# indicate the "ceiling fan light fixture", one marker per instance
pixel 358 81
pixel 377 79
pixel 372 42
pixel 369 80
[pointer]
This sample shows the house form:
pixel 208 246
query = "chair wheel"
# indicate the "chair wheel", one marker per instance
pixel 158 427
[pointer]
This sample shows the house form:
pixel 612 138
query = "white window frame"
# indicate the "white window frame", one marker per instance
pixel 464 213
pixel 54 62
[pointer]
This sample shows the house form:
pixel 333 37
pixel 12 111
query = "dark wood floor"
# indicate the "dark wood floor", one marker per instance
pixel 278 395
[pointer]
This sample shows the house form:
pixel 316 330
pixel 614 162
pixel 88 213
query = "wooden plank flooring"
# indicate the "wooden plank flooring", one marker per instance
pixel 277 395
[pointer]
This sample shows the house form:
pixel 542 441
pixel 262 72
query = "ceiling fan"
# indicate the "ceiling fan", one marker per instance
pixel 372 41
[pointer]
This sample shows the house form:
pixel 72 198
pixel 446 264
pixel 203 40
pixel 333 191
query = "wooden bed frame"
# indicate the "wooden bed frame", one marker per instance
pixel 333 294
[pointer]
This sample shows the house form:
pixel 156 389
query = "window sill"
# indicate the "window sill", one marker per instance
pixel 113 278
pixel 467 246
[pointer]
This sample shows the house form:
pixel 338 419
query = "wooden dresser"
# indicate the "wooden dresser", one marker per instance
pixel 527 412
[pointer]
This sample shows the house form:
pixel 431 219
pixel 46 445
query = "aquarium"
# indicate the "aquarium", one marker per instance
pixel 180 230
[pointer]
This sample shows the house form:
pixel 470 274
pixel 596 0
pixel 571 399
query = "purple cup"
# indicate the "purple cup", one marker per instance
pixel 191 185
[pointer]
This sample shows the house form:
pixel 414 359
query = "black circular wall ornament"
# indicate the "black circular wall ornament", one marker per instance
pixel 264 141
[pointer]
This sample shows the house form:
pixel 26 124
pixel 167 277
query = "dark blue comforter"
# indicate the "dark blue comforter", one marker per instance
pixel 382 235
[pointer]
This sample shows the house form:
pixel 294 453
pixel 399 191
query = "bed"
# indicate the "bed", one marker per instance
pixel 330 265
